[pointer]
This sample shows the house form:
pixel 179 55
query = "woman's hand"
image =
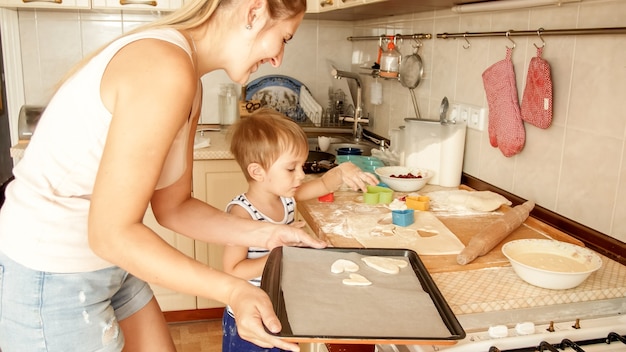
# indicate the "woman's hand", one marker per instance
pixel 253 310
pixel 293 235
pixel 354 177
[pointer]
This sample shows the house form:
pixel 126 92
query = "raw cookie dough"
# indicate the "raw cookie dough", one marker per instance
pixel 357 280
pixel 341 265
pixel 483 201
pixel 385 264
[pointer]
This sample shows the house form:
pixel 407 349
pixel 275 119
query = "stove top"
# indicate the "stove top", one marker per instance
pixel 587 335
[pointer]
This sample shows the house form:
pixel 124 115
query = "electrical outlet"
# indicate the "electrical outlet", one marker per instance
pixel 464 113
pixel 455 112
pixel 474 116
pixel 477 119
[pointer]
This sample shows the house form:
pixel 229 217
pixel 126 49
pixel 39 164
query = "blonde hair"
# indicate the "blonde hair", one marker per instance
pixel 196 12
pixel 263 137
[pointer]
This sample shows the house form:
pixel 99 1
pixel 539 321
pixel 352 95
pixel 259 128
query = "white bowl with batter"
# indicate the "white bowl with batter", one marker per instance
pixel 551 264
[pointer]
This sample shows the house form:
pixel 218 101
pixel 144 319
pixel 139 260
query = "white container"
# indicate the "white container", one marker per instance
pixel 396 136
pixel 431 145
pixel 228 104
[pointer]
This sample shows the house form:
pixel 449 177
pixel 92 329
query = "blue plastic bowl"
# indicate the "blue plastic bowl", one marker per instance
pixel 349 151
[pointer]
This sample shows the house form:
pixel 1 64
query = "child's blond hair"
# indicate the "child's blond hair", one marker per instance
pixel 263 137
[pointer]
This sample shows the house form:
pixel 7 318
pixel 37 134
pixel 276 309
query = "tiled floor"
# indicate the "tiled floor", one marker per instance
pixel 202 336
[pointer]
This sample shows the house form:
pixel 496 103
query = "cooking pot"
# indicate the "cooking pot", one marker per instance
pixel 318 162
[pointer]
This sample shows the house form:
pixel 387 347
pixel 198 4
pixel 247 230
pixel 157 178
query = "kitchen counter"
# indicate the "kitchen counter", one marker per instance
pixel 218 150
pixel 488 284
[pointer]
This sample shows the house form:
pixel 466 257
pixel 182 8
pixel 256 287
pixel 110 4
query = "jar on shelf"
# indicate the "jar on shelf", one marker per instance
pixel 390 62
pixel 228 104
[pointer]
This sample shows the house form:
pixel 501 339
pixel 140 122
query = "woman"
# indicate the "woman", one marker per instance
pixel 117 136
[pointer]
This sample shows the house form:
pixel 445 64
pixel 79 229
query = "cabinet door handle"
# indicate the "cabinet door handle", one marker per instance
pixel 138 2
pixel 326 2
pixel 54 1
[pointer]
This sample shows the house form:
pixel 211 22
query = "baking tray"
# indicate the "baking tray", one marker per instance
pixel 272 284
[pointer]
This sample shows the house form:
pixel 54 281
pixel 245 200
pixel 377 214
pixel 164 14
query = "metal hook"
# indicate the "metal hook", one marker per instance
pixel 466 46
pixel 396 37
pixel 418 44
pixel 543 42
pixel 508 34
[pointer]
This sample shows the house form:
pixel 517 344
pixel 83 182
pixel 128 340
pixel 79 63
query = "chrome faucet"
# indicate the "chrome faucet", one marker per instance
pixel 358 110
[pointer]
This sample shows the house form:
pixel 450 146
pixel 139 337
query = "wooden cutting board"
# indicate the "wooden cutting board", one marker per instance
pixel 322 217
pixel 427 235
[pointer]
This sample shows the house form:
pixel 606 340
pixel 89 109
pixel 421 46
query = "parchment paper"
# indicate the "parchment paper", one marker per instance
pixel 319 304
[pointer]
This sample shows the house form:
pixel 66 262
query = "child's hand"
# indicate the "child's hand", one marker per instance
pixel 354 177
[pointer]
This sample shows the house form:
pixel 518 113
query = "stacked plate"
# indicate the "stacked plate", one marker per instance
pixel 366 163
pixel 311 108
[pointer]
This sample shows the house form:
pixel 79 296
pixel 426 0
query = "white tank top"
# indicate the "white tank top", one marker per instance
pixel 43 222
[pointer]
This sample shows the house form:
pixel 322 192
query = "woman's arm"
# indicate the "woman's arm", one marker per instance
pixel 235 258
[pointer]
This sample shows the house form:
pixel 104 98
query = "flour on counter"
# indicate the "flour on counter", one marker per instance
pixel 338 221
pixel 426 236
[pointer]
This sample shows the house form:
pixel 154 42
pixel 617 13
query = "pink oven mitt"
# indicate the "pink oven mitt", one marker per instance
pixel 506 128
pixel 537 98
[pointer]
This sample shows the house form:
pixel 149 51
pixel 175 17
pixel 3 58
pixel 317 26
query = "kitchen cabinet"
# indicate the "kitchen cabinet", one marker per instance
pixel 215 182
pixel 321 6
pixel 137 5
pixel 329 5
pixel 354 10
pixel 47 4
pixel 131 5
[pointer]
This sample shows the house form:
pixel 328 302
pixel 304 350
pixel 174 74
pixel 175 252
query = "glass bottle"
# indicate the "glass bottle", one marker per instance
pixel 228 105
pixel 390 62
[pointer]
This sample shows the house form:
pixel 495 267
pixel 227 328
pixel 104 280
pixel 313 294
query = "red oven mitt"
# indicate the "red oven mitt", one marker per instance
pixel 506 128
pixel 537 98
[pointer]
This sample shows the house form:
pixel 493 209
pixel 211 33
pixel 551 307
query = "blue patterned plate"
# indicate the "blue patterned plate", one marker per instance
pixel 281 93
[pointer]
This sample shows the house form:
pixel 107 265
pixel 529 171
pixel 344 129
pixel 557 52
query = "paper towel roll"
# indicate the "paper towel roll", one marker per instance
pixel 452 151
pixel 376 90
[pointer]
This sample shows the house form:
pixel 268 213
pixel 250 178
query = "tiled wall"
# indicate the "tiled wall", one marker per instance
pixel 53 41
pixel 577 167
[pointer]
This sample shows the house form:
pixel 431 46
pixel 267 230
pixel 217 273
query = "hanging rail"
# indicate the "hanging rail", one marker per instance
pixel 541 31
pixel 391 36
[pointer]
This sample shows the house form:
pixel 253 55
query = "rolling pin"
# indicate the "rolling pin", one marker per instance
pixel 494 233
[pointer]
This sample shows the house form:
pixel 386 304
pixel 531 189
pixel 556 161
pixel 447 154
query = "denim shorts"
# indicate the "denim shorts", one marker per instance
pixel 232 342
pixel 41 311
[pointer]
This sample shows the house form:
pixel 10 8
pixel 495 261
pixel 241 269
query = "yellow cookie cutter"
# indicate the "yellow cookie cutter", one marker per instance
pixel 418 203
